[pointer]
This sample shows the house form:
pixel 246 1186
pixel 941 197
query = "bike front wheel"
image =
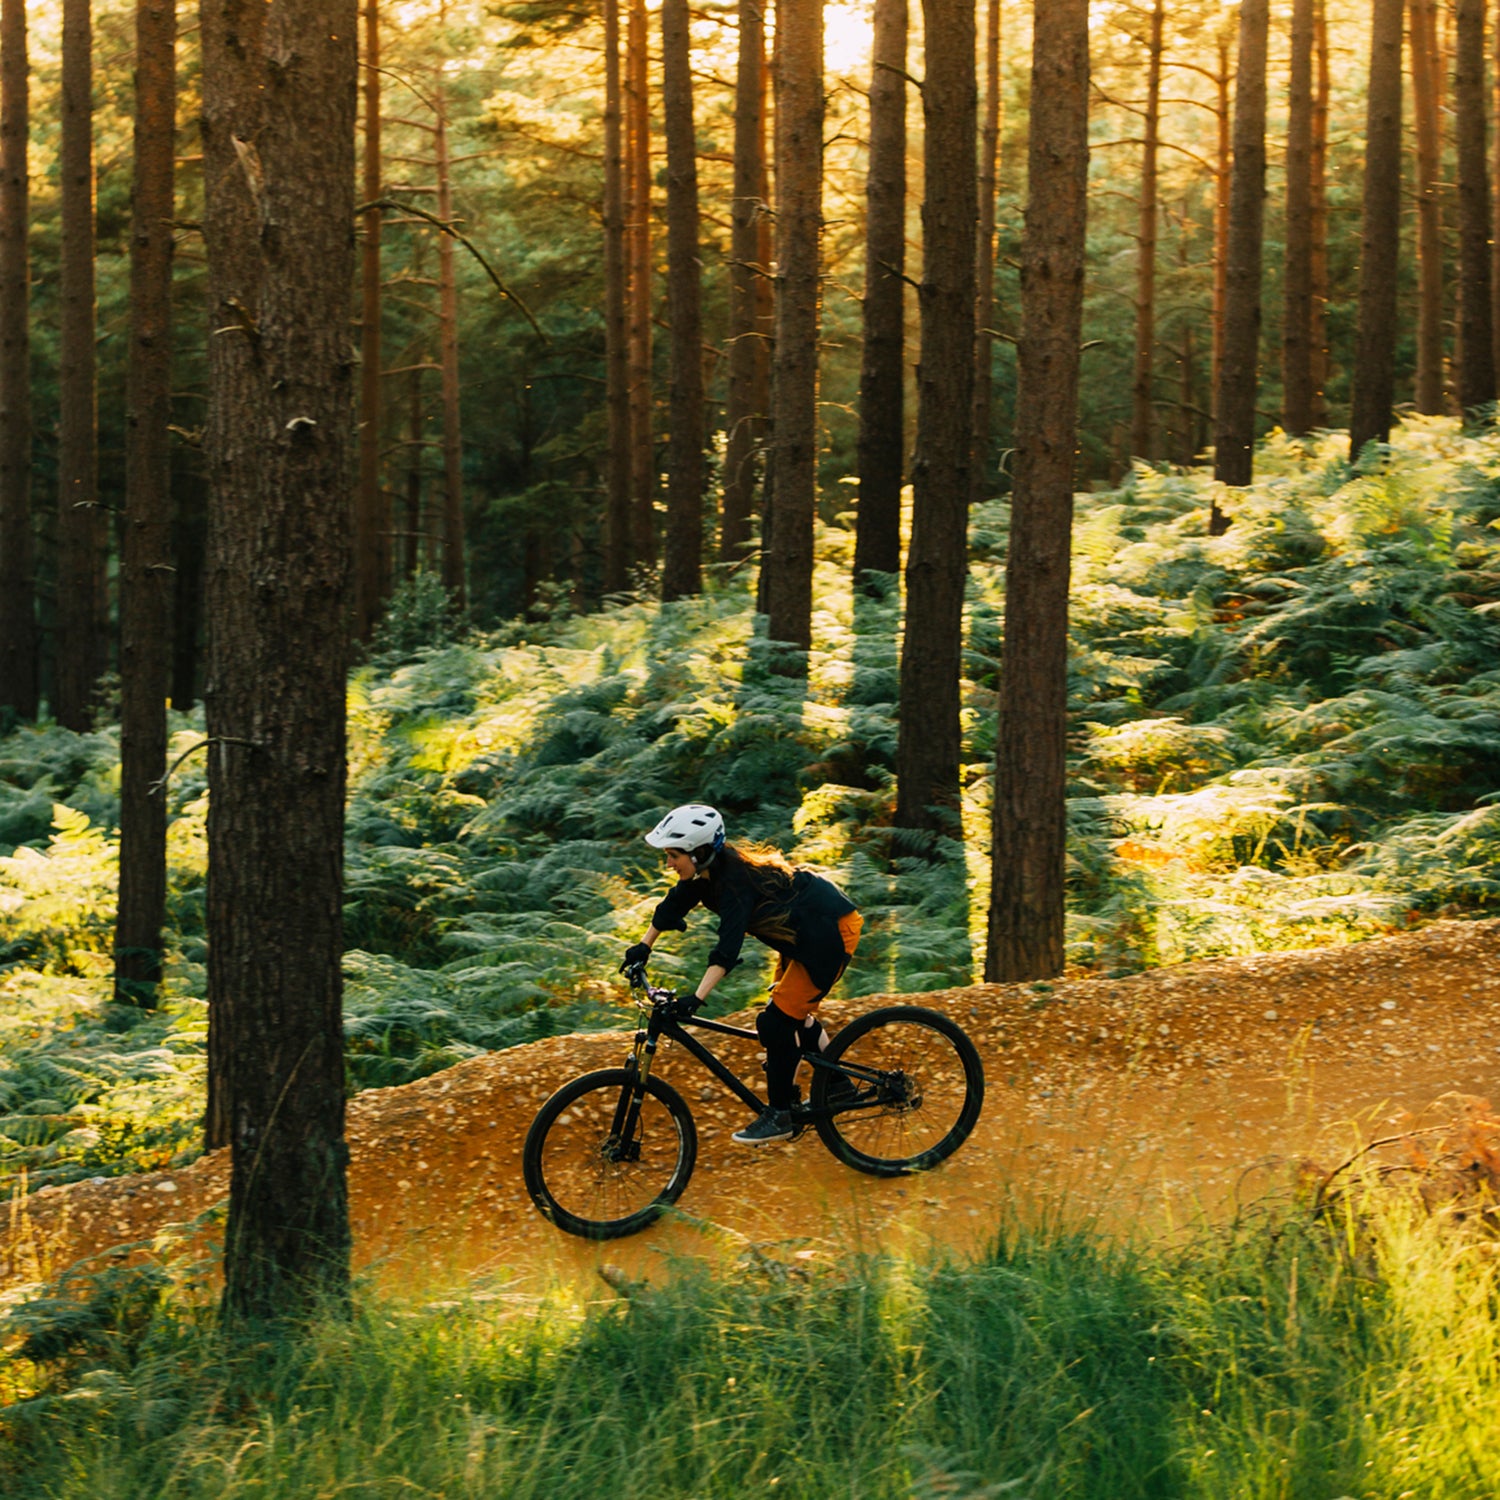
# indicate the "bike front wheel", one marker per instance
pixel 919 1087
pixel 608 1153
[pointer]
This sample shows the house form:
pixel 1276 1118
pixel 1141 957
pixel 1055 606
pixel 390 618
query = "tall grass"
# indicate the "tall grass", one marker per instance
pixel 1289 1357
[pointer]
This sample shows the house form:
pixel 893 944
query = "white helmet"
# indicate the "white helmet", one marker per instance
pixel 694 827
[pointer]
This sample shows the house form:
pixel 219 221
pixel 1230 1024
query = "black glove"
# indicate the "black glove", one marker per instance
pixel 635 955
pixel 684 1006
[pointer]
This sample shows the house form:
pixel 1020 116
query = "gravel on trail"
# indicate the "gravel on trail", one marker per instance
pixel 1141 1103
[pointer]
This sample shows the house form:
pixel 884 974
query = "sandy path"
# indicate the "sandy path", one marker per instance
pixel 1147 1100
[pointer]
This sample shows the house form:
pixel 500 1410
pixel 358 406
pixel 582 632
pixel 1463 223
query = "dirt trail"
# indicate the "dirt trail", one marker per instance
pixel 1163 1095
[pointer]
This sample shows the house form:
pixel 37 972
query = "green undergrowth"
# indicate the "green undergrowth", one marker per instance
pixel 1285 1357
pixel 1282 737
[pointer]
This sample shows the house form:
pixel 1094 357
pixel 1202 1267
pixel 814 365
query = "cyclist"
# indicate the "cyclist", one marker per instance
pixel 810 923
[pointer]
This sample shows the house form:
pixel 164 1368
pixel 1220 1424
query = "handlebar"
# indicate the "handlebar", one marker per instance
pixel 680 1008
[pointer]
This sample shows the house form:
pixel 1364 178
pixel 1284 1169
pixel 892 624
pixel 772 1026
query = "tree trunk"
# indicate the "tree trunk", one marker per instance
pixel 453 463
pixel 980 479
pixel 882 371
pixel 1223 170
pixel 683 551
pixel 1476 375
pixel 147 558
pixel 638 256
pixel 416 556
pixel 1495 202
pixel 189 544
pixel 79 656
pixel 279 85
pixel 373 532
pixel 928 742
pixel 616 352
pixel 745 414
pixel 1025 930
pixel 1234 408
pixel 1319 189
pixel 1380 234
pixel 1142 412
pixel 1296 326
pixel 1429 384
pixel 18 665
pixel 788 554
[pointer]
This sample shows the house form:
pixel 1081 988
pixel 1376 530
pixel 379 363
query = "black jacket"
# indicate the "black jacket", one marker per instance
pixel 796 915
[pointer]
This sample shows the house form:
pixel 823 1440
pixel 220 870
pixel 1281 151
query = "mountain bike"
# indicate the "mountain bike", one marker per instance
pixel 898 1090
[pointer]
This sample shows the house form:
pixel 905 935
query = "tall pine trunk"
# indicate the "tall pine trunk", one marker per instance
pixel 1423 38
pixel 928 743
pixel 1296 325
pixel 882 370
pixel 1380 236
pixel 454 573
pixel 1319 189
pixel 1239 369
pixel 1476 373
pixel 638 258
pixel 18 637
pixel 984 267
pixel 147 554
pixel 1025 926
pixel 372 535
pixel 279 84
pixel 616 352
pixel 749 353
pixel 1142 390
pixel 682 554
pixel 788 555
pixel 1223 171
pixel 80 655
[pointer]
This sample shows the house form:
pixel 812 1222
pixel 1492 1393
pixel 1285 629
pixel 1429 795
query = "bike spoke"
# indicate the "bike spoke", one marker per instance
pixel 921 1101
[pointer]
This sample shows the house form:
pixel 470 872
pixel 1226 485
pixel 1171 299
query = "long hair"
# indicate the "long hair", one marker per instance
pixel 772 874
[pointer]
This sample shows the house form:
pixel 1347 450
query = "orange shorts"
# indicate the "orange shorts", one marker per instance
pixel 793 990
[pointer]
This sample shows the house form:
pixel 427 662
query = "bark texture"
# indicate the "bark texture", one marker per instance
pixel 928 738
pixel 882 370
pixel 1319 175
pixel 18 663
pixel 279 83
pixel 749 329
pixel 616 352
pixel 372 538
pixel 788 547
pixel 81 653
pixel 1025 928
pixel 980 478
pixel 683 551
pixel 1429 143
pixel 1380 233
pixel 454 573
pixel 147 555
pixel 1239 367
pixel 638 257
pixel 1296 324
pixel 1476 371
pixel 1142 388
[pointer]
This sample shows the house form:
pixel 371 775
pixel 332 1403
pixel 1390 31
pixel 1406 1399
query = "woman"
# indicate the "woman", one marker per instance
pixel 808 920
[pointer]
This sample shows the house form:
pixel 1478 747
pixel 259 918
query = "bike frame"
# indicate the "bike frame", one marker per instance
pixel 661 1025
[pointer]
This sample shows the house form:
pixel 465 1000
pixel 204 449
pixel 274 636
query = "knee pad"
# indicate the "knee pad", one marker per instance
pixel 777 1031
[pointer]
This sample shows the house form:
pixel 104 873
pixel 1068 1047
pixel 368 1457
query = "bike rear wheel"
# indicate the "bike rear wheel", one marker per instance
pixel 920 1087
pixel 607 1153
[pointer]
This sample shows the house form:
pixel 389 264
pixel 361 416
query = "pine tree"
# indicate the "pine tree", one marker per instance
pixel 1239 367
pixel 1296 327
pixel 147 573
pixel 279 84
pixel 928 739
pixel 683 550
pixel 882 370
pixel 81 654
pixel 787 557
pixel 18 664
pixel 1025 928
pixel 1143 393
pixel 1380 232
pixel 980 478
pixel 1476 374
pixel 616 351
pixel 1428 121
